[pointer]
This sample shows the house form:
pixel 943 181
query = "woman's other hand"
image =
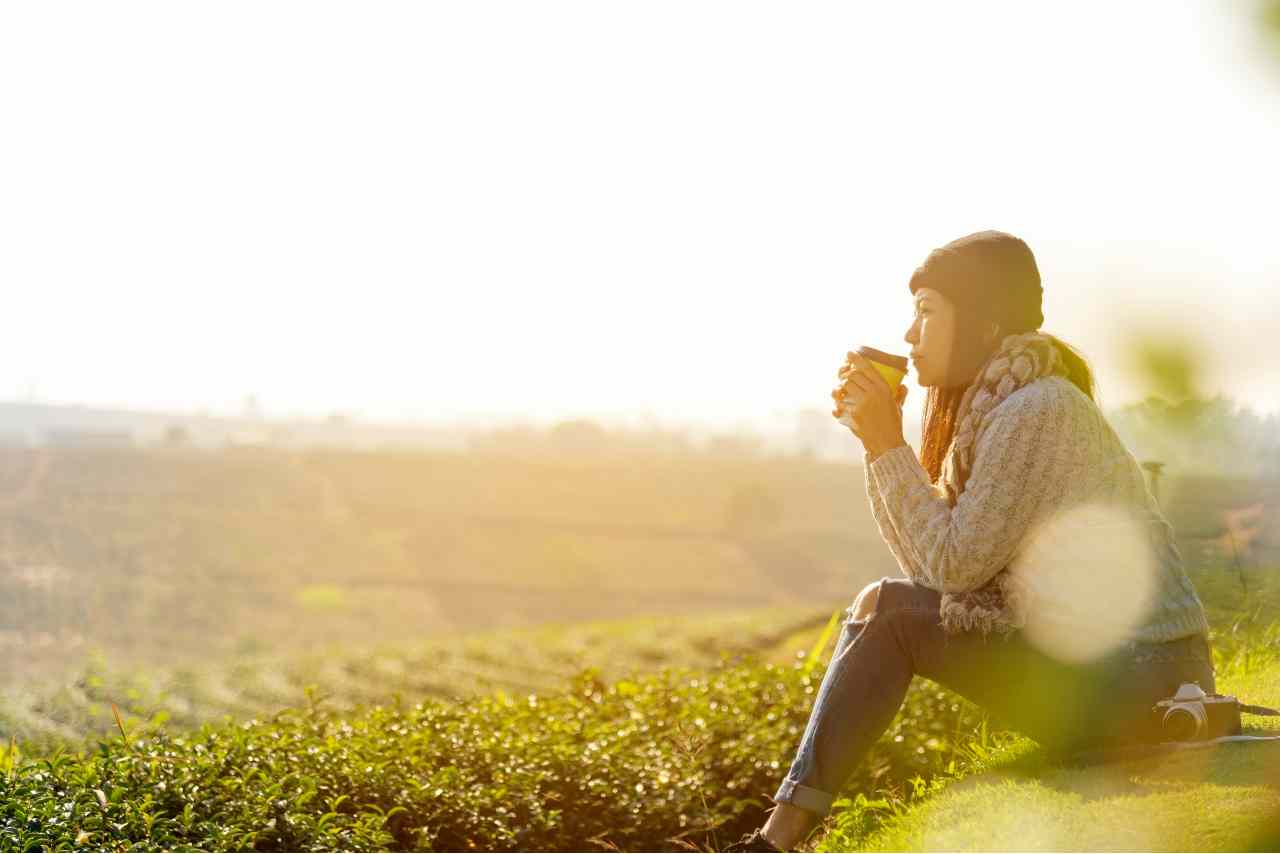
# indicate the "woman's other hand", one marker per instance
pixel 874 407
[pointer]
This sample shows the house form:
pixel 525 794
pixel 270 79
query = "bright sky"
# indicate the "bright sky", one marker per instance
pixel 689 210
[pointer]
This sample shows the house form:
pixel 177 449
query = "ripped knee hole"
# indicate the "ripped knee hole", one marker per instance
pixel 866 603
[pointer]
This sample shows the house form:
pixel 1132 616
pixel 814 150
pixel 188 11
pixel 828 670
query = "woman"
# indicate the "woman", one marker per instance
pixel 1071 651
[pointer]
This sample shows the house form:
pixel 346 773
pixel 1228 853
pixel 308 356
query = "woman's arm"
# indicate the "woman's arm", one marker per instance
pixel 909 564
pixel 1021 464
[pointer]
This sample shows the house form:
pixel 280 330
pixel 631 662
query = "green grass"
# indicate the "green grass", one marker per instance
pixel 1220 798
pixel 1173 806
pixel 68 711
pixel 656 762
pixel 1223 798
pixel 648 763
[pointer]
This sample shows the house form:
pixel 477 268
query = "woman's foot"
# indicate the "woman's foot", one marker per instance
pixel 753 841
pixel 788 826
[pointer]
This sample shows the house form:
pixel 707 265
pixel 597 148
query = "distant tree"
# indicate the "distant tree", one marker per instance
pixel 1209 436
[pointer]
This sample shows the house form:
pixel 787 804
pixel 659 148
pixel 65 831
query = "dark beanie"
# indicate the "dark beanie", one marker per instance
pixel 990 275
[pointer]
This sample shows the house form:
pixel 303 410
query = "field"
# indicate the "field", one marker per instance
pixel 195 590
pixel 168 558
pixel 172 557
pixel 531 660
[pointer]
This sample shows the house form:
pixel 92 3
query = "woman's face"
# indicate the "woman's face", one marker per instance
pixel 931 336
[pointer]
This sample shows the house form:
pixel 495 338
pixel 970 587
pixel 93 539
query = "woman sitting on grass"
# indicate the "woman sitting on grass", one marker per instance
pixel 1042 581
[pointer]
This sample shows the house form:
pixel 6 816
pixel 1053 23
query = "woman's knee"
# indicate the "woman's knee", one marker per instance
pixel 891 594
pixel 865 605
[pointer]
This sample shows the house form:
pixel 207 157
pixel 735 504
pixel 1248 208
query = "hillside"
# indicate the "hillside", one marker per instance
pixel 43 713
pixel 658 761
pixel 157 557
pixel 166 558
pixel 1222 798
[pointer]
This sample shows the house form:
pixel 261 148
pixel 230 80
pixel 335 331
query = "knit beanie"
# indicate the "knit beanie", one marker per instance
pixel 990 275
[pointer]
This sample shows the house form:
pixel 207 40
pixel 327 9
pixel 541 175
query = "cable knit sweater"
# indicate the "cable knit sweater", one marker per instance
pixel 1043 450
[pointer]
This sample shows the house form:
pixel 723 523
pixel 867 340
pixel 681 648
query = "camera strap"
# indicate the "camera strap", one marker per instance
pixel 1257 710
pixel 1222 739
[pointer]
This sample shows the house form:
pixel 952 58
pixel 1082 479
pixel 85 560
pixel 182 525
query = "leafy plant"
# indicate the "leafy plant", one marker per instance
pixel 677 758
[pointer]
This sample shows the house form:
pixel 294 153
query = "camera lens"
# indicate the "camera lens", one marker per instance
pixel 1180 724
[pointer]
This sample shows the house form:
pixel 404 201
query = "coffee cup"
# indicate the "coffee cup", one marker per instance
pixel 892 368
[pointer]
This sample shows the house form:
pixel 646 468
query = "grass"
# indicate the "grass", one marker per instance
pixel 1224 798
pixel 1219 798
pixel 677 758
pixel 608 764
pixel 674 759
pixel 67 711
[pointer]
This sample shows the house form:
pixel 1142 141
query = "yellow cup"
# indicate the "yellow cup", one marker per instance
pixel 892 368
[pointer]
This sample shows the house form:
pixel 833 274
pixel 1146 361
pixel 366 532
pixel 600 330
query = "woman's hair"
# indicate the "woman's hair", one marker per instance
pixel 942 404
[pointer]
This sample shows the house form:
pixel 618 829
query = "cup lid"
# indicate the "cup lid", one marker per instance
pixel 899 362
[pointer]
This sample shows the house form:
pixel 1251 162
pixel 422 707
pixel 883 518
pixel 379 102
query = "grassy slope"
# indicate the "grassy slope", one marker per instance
pixel 1223 798
pixel 518 661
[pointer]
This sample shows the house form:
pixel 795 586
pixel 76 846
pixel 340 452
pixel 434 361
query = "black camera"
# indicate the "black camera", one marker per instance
pixel 1192 715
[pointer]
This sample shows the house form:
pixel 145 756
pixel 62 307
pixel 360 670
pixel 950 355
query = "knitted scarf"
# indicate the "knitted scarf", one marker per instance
pixel 998 605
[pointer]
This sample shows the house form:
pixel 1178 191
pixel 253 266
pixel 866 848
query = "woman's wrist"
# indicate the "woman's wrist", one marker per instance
pixel 880 450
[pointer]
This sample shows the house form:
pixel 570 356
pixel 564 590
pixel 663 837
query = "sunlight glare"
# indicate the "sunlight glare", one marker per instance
pixel 1090 576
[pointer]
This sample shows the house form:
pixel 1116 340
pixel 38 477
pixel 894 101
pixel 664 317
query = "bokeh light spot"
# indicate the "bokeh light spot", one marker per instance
pixel 1090 576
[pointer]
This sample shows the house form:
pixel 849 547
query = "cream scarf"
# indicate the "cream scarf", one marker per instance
pixel 1021 359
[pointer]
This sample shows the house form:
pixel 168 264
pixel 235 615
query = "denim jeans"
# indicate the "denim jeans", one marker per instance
pixel 1063 706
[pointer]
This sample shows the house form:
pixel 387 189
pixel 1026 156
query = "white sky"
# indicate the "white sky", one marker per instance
pixel 681 209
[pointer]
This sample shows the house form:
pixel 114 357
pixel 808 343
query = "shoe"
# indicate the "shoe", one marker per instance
pixel 753 841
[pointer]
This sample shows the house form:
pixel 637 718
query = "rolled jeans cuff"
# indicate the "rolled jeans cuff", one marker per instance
pixel 805 797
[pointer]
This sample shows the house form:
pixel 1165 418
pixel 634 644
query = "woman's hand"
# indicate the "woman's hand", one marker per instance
pixel 873 406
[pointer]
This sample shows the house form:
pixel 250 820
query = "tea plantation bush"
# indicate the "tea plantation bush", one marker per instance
pixel 677 755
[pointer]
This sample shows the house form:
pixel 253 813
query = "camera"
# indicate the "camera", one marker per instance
pixel 1192 715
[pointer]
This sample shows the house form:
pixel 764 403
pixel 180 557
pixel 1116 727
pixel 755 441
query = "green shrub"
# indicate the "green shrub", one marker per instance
pixel 639 763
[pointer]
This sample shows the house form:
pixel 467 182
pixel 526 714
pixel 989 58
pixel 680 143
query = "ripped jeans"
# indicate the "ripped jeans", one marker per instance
pixel 1062 706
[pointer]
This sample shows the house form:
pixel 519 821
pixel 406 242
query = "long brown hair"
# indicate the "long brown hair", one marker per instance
pixel 942 404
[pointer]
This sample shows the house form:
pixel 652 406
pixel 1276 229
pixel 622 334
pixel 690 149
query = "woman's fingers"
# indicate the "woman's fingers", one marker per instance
pixel 857 381
pixel 846 395
pixel 864 367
